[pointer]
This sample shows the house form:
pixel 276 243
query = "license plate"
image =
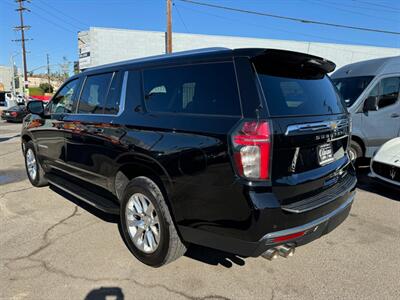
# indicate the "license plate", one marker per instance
pixel 7 114
pixel 325 154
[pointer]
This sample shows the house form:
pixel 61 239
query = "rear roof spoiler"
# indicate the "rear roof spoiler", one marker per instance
pixel 283 58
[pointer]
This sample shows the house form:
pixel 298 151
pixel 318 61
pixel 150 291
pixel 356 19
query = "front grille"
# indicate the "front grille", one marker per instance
pixel 329 195
pixel 387 171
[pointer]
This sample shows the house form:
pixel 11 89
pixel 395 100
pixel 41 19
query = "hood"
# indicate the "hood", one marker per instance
pixel 389 153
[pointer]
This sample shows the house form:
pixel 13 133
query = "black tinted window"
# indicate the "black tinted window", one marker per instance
pixel 351 87
pixel 94 93
pixel 63 101
pixel 387 90
pixel 297 96
pixel 196 89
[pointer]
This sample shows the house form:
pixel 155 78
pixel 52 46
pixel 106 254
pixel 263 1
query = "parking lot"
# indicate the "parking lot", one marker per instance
pixel 52 246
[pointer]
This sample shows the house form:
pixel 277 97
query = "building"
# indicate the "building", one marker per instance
pixel 37 80
pixel 99 46
pixel 6 75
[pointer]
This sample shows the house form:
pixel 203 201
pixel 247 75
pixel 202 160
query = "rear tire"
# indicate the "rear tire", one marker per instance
pixel 355 151
pixel 32 165
pixel 147 226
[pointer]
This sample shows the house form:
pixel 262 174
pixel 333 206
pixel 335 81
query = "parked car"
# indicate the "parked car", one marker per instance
pixel 385 165
pixel 14 114
pixel 371 92
pixel 239 150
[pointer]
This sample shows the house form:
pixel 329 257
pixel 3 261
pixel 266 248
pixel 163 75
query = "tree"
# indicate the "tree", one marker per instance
pixel 46 87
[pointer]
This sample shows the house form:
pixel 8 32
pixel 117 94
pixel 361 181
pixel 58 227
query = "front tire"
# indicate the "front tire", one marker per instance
pixel 147 226
pixel 355 151
pixel 33 168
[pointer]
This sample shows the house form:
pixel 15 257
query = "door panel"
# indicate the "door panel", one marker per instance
pixel 49 131
pixel 93 136
pixel 384 124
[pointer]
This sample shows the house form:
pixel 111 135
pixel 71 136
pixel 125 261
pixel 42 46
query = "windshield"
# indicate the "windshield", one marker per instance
pixel 352 87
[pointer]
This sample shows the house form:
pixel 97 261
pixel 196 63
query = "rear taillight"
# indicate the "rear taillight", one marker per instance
pixel 13 113
pixel 251 149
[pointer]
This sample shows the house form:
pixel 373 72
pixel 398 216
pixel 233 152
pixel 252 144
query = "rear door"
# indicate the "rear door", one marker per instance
pixel 310 125
pixel 92 131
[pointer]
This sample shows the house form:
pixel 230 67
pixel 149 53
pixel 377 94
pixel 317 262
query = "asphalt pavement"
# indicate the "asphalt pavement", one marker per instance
pixel 52 246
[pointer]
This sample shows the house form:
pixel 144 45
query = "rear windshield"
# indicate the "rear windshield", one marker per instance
pixel 352 87
pixel 295 94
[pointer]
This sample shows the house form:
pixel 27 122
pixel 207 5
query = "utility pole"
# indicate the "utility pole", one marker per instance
pixel 48 68
pixel 169 27
pixel 22 28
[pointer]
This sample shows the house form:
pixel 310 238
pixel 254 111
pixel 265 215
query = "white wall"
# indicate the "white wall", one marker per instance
pixel 110 45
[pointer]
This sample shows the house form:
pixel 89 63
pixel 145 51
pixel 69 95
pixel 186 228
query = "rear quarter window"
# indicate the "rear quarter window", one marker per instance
pixel 209 89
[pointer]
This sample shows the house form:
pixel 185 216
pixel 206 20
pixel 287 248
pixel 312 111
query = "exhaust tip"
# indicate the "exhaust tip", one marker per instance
pixel 270 254
pixel 285 250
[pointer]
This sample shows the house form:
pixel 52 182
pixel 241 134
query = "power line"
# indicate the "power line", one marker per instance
pixel 180 17
pixel 234 20
pixel 340 8
pixel 305 21
pixel 379 5
pixel 48 12
pixel 62 13
pixel 52 22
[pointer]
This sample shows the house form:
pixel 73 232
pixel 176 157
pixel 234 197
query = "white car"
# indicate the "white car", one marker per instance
pixel 385 165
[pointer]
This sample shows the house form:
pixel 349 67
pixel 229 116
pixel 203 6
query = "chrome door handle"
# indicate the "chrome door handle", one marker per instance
pixel 394 115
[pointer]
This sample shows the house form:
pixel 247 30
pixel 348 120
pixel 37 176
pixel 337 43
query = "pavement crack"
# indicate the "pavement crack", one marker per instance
pixel 45 238
pixel 15 191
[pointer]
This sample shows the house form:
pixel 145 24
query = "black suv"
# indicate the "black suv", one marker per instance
pixel 240 150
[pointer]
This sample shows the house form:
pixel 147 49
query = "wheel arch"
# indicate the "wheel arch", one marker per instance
pixel 131 166
pixel 359 141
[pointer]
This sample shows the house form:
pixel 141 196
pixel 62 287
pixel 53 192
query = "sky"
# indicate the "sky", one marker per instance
pixel 55 23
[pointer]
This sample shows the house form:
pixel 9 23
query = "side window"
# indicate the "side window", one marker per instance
pixel 94 94
pixel 387 90
pixel 63 101
pixel 195 89
pixel 114 95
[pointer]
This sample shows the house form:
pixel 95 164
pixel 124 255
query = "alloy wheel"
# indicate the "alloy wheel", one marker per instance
pixel 142 223
pixel 31 164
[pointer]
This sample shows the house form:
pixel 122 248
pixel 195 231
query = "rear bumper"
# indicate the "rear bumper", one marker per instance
pixel 11 118
pixel 270 223
pixel 312 230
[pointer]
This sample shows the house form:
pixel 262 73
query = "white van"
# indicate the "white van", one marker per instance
pixel 370 90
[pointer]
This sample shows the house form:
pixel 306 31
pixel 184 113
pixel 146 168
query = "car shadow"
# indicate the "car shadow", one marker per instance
pixel 214 257
pixel 199 253
pixel 4 139
pixel 104 293
pixel 89 208
pixel 368 184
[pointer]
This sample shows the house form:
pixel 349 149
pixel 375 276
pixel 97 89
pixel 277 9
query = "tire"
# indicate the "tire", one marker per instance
pixel 355 151
pixel 33 168
pixel 157 250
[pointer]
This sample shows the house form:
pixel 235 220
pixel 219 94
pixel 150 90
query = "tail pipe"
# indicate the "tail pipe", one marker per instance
pixel 281 250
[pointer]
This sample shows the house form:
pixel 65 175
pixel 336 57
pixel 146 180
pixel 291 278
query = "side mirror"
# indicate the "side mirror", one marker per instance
pixel 36 107
pixel 371 103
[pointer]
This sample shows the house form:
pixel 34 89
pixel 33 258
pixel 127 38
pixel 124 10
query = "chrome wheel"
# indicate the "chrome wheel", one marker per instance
pixel 142 223
pixel 31 164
